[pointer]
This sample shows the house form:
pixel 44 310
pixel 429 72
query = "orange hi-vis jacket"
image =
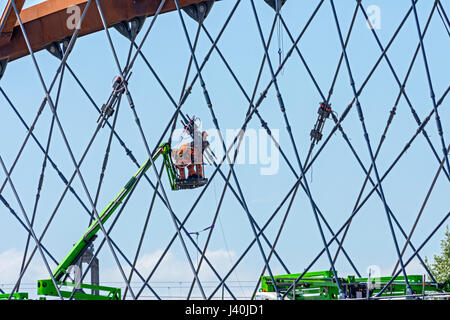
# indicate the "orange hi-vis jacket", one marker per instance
pixel 184 155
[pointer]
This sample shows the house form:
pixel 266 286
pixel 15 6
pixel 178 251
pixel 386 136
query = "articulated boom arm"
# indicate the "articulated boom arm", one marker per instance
pixel 47 288
pixel 90 235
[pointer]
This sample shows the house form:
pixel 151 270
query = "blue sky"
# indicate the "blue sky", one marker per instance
pixel 336 177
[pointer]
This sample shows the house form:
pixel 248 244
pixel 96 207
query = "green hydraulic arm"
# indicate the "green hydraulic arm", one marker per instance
pixel 46 287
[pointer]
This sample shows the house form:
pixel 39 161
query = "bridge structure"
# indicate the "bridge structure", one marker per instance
pixel 342 126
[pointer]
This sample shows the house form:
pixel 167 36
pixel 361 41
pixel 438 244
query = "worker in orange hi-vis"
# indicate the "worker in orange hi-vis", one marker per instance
pixel 182 158
pixel 190 155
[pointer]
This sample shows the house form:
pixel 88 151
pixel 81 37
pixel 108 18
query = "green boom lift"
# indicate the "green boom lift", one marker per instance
pixel 47 288
pixel 321 285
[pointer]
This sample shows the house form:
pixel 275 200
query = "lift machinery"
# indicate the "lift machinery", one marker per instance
pixel 47 288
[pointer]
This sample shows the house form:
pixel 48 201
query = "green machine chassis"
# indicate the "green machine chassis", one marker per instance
pixel 15 296
pixel 321 285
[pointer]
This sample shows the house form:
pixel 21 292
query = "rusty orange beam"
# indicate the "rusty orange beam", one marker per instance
pixel 46 22
pixel 9 18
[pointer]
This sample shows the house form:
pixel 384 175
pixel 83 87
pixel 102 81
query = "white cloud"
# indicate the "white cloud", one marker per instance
pixel 175 271
pixel 10 263
pixel 175 267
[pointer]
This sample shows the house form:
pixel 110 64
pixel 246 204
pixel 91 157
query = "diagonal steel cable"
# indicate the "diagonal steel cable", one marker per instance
pixel 216 124
pixel 430 84
pixel 414 254
pixel 44 259
pixel 312 144
pixel 407 146
pixel 216 215
pixel 132 106
pixel 369 146
pixel 413 228
pixel 42 174
pixel 264 124
pixel 389 121
pixel 289 130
